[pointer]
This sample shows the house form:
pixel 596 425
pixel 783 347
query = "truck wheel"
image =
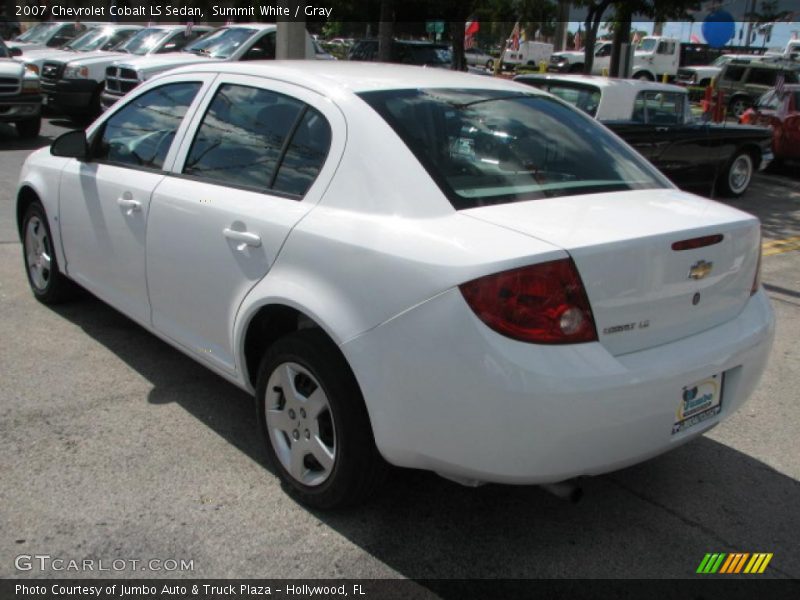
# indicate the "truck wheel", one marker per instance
pixel 735 179
pixel 643 76
pixel 29 128
pixel 738 105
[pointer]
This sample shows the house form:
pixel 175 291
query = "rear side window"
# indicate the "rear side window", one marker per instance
pixel 141 133
pixel 259 140
pixel 762 77
pixel 492 147
pixel 660 108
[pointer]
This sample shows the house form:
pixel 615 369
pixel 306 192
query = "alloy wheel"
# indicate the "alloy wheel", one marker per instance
pixel 38 253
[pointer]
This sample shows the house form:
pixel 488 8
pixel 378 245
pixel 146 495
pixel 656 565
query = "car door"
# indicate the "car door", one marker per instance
pixel 258 157
pixel 104 201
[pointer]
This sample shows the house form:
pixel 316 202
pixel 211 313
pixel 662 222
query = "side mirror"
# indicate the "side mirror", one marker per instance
pixel 14 52
pixel 72 144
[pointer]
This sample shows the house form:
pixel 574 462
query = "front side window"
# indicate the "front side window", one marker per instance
pixel 487 147
pixel 660 108
pixel 733 73
pixel 141 133
pixel 260 140
pixel 263 49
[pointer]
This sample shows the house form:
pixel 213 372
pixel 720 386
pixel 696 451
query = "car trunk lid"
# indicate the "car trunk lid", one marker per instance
pixel 644 293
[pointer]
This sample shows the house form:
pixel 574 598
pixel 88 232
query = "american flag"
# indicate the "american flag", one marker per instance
pixel 636 39
pixel 470 29
pixel 780 82
pixel 577 40
pixel 515 38
pixel 189 26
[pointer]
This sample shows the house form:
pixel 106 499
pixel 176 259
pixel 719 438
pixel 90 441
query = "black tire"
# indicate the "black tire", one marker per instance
pixel 357 467
pixel 490 64
pixel 738 105
pixel 643 76
pixel 53 287
pixel 737 175
pixel 578 68
pixel 29 128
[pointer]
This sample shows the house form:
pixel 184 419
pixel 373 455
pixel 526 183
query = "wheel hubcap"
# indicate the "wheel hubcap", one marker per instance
pixel 300 424
pixel 741 171
pixel 37 253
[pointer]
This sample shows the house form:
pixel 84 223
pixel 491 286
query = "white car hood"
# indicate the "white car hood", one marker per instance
pixel 570 54
pixel 99 56
pixel 11 68
pixel 161 61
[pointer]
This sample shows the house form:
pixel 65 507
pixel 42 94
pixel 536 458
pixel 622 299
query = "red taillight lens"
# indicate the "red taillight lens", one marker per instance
pixel 543 304
pixel 757 276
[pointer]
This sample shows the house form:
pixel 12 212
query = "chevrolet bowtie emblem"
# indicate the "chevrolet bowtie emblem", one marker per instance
pixel 700 269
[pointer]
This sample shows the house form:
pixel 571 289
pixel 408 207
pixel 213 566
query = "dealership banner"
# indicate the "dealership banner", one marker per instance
pixel 391 589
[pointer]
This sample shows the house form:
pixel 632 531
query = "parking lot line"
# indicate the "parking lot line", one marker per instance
pixel 779 246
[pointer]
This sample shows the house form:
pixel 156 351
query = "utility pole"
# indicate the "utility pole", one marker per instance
pixel 290 37
pixel 560 43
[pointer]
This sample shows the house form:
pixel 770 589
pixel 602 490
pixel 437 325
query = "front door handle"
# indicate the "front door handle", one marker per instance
pixel 245 237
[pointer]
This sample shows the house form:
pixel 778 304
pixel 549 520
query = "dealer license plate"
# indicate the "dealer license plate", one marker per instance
pixel 699 402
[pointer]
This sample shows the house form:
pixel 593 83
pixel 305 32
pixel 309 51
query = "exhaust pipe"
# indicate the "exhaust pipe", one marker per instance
pixel 566 490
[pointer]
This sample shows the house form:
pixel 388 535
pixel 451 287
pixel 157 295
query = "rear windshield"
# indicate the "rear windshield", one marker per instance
pixel 487 147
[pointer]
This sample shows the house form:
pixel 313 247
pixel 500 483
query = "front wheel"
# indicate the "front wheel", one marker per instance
pixel 737 175
pixel 29 128
pixel 490 64
pixel 48 284
pixel 643 76
pixel 314 422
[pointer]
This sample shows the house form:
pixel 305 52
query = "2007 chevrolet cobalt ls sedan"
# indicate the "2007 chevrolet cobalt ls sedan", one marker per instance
pixel 438 270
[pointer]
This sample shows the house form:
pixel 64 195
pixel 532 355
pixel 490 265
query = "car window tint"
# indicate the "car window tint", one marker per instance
pixel 263 49
pixel 242 136
pixel 487 147
pixel 733 73
pixel 661 108
pixel 585 98
pixel 305 154
pixel 762 77
pixel 141 133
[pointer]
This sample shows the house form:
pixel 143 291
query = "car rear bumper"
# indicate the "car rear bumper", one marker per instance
pixel 20 107
pixel 447 394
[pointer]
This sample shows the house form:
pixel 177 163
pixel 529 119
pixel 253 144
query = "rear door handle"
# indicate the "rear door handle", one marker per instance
pixel 245 237
pixel 128 203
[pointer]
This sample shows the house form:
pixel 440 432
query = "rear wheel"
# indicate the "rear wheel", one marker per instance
pixel 314 422
pixel 490 64
pixel 737 175
pixel 48 284
pixel 738 106
pixel 29 128
pixel 643 76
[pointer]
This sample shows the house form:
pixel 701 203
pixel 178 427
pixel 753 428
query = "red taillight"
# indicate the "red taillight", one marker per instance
pixel 757 276
pixel 543 304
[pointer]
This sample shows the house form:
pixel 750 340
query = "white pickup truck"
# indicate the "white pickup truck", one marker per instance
pixel 242 41
pixel 74 83
pixel 20 100
pixel 654 57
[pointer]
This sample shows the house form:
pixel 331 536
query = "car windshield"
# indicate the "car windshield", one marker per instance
pixel 144 41
pixel 647 45
pixel 38 33
pixel 486 147
pixel 221 43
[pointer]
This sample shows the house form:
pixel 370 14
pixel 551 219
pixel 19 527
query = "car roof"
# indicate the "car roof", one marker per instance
pixel 330 77
pixel 605 83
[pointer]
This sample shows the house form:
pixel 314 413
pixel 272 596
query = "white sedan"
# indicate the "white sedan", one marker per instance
pixel 428 268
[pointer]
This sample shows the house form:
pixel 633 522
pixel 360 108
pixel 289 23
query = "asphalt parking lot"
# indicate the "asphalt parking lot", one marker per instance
pixel 117 446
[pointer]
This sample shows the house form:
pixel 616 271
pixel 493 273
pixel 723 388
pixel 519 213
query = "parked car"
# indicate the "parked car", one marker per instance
pixel 744 83
pixel 529 53
pixel 407 52
pixel 655 118
pixel 240 42
pixel 74 83
pixel 703 75
pixel 478 58
pixel 779 110
pixel 50 34
pixel 95 39
pixel 447 272
pixel 20 97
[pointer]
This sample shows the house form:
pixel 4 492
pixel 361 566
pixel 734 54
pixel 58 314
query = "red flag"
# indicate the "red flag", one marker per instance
pixel 470 29
pixel 515 38
pixel 695 39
